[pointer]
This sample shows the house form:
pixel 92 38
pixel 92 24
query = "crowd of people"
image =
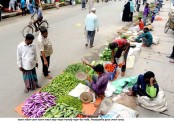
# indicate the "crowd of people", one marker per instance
pixel 27 61
pixel 146 84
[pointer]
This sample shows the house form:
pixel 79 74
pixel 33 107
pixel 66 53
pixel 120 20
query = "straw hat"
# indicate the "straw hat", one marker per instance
pixel 86 97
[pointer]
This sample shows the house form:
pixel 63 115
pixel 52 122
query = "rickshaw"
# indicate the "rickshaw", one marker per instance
pixel 170 22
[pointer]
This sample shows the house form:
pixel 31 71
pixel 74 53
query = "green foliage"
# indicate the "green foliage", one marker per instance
pixel 73 68
pixel 106 54
pixel 62 85
pixel 71 101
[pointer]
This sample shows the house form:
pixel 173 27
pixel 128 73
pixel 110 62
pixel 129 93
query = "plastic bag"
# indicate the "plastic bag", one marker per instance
pixel 109 90
pixel 155 40
pixel 105 106
pixel 122 111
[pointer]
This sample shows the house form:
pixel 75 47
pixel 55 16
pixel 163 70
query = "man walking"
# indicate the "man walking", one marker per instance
pixel 46 50
pixel 138 2
pixel 83 4
pixel 27 61
pixel 146 13
pixel 91 24
pixel 23 7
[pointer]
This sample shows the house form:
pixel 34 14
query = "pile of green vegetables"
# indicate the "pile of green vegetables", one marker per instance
pixel 71 101
pixel 62 85
pixel 73 68
pixel 106 55
pixel 61 110
pixel 125 36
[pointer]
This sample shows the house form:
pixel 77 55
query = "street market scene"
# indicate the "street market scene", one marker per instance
pixel 103 59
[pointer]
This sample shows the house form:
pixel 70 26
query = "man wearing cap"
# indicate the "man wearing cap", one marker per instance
pixel 123 47
pixel 146 37
pixel 97 83
pixel 27 61
pixel 91 24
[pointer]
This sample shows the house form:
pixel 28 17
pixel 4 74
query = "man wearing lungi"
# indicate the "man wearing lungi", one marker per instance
pixel 27 61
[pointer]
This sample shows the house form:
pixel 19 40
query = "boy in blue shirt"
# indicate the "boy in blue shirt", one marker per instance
pixel 23 7
pixel 31 7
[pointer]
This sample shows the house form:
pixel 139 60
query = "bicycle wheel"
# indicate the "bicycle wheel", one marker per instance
pixel 27 30
pixel 44 23
pixel 167 26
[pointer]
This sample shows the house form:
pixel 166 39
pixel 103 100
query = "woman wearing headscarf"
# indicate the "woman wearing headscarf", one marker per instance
pixel 126 12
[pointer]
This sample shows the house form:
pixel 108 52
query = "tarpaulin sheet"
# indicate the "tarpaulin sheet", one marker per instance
pixel 119 84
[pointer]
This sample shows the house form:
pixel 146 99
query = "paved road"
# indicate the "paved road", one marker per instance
pixel 66 34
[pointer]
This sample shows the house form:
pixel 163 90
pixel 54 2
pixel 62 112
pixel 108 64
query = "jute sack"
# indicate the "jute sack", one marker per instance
pixel 128 101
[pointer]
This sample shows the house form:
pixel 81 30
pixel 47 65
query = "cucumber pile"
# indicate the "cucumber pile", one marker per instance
pixel 61 110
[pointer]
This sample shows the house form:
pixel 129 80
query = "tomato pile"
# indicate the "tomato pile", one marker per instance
pixel 109 67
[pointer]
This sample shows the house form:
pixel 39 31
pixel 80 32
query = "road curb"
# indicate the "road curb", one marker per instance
pixel 11 15
pixel 19 13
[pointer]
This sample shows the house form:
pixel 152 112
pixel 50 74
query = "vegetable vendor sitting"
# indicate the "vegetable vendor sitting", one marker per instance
pixel 138 26
pixel 97 83
pixel 146 37
pixel 146 86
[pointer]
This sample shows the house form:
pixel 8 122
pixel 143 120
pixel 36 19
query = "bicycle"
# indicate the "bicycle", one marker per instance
pixel 170 22
pixel 30 27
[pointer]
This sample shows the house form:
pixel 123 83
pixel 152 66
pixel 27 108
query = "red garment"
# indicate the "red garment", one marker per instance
pixel 141 25
pixel 121 42
pixel 57 0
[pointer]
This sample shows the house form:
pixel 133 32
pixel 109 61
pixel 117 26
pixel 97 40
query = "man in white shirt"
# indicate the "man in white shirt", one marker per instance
pixel 91 24
pixel 46 50
pixel 27 61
